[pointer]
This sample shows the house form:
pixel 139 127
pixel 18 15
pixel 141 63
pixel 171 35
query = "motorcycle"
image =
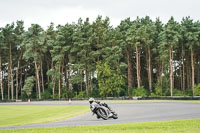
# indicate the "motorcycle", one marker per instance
pixel 103 111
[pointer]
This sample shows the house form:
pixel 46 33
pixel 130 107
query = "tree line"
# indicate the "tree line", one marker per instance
pixel 138 57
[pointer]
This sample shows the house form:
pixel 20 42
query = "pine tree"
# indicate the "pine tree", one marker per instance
pixel 169 40
pixel 19 33
pixel 191 39
pixel 83 38
pixel 128 50
pixel 33 43
pixel 148 35
pixel 136 39
pixel 50 40
pixel 2 54
pixel 60 51
pixel 8 41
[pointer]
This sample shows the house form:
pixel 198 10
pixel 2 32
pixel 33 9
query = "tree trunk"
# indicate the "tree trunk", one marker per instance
pixel 87 82
pixel 69 79
pixel 188 74
pixel 161 78
pixel 53 86
pixel 59 87
pixel 198 73
pixel 11 75
pixel 63 75
pixel 21 82
pixel 192 65
pixel 130 73
pixel 171 69
pixel 138 66
pixel 9 78
pixel 1 79
pixel 53 80
pixel 37 79
pixel 90 81
pixel 59 84
pixel 159 69
pixel 17 74
pixel 42 76
pixel 36 83
pixel 183 75
pixel 67 74
pixel 81 84
pixel 17 82
pixel 149 68
pixel 48 68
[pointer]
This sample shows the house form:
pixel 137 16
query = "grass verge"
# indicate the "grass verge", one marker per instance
pixel 11 115
pixel 151 101
pixel 178 126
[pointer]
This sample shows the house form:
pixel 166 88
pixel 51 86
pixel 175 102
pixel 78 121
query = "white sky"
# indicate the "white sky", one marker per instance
pixel 67 11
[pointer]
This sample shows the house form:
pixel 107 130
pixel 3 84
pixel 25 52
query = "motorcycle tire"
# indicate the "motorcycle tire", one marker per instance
pixel 115 117
pixel 101 112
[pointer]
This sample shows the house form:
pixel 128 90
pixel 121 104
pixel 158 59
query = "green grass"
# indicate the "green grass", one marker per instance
pixel 179 126
pixel 150 101
pixel 21 114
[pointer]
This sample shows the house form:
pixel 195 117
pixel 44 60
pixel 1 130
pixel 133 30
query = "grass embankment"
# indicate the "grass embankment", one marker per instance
pixel 179 126
pixel 20 114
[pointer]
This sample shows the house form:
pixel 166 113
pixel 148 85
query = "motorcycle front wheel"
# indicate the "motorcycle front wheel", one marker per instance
pixel 102 113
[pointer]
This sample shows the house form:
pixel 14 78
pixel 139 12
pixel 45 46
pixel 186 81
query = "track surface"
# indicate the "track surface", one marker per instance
pixel 127 112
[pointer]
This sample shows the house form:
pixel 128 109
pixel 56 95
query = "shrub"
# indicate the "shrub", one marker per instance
pixel 153 94
pixel 64 93
pixel 167 92
pixel 81 94
pixel 56 96
pixel 177 92
pixel 95 93
pixel 197 90
pixel 46 94
pixel 188 92
pixel 140 92
pixel 110 81
pixel 28 86
pixel 158 89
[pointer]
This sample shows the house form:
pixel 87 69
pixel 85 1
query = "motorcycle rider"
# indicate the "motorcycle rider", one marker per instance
pixel 93 103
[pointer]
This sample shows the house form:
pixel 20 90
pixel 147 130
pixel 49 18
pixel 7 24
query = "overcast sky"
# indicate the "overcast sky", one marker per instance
pixel 67 11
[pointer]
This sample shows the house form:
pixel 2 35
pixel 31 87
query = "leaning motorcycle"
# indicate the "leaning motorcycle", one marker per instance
pixel 103 112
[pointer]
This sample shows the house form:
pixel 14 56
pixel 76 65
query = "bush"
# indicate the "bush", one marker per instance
pixel 95 93
pixel 167 92
pixel 177 92
pixel 81 94
pixel 153 94
pixel 67 93
pixel 140 92
pixel 64 93
pixel 28 86
pixel 197 90
pixel 188 92
pixel 46 94
pixel 55 96
pixel 158 89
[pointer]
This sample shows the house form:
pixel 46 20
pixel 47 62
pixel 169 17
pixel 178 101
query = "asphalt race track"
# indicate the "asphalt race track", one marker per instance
pixel 127 112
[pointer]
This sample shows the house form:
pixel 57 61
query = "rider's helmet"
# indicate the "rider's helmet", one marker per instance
pixel 91 100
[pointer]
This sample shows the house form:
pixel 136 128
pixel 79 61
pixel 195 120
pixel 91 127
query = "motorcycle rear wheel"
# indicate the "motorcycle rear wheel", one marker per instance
pixel 115 117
